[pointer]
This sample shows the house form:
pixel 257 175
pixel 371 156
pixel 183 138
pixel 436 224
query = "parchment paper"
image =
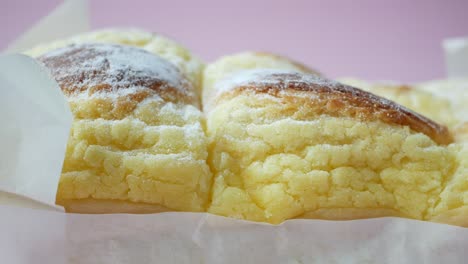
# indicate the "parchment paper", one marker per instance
pixel 35 122
pixel 36 236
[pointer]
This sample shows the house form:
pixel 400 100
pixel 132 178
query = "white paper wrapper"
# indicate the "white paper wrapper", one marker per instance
pixel 35 126
pixel 47 237
pixel 35 117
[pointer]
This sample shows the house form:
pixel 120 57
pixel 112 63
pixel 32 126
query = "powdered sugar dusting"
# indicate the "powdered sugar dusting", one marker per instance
pixel 118 94
pixel 263 77
pixel 112 68
pixel 283 80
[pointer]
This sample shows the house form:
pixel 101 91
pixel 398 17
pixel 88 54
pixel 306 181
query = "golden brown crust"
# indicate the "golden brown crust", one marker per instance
pixel 106 206
pixel 94 69
pixel 456 216
pixel 350 213
pixel 335 99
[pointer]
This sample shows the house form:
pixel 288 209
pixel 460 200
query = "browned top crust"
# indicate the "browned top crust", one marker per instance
pixel 115 71
pixel 323 96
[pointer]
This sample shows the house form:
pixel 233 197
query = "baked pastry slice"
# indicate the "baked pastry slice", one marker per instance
pixel 287 144
pixel 445 101
pixel 137 142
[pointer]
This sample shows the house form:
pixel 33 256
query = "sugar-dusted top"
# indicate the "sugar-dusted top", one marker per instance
pixel 114 70
pixel 281 79
pixel 328 97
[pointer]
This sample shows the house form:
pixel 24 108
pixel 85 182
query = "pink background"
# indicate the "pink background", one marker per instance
pixel 397 40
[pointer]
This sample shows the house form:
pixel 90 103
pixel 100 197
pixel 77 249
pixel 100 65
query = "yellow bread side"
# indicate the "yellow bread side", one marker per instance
pixel 271 165
pixel 453 205
pixel 156 154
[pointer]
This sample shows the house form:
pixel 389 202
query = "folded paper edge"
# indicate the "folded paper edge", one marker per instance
pixel 67 19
